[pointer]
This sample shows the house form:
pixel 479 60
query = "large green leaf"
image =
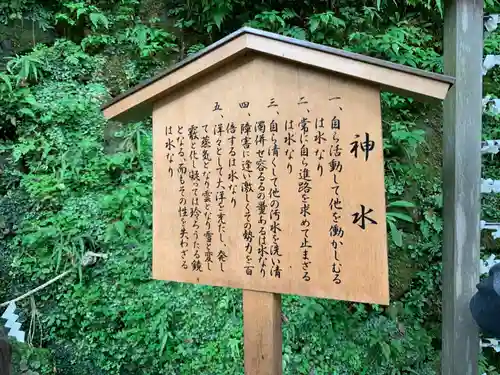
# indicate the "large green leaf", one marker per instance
pixel 401 216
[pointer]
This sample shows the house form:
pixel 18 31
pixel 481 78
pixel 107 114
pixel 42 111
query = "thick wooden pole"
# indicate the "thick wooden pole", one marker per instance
pixel 463 51
pixel 262 333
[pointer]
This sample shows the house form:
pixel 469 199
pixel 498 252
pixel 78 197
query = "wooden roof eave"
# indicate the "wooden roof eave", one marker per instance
pixel 135 103
pixel 390 77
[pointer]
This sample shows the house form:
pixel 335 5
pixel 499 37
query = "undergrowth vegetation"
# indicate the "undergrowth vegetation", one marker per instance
pixel 72 183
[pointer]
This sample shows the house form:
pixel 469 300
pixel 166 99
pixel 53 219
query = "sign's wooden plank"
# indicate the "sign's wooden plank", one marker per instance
pixel 463 42
pixel 262 333
pixel 268 176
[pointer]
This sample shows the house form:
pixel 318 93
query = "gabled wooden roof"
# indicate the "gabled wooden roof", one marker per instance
pixel 137 102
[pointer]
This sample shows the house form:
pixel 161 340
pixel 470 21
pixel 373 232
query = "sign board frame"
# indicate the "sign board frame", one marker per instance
pixel 312 217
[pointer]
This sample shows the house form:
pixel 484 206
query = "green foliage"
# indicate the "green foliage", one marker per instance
pixel 31 361
pixel 403 43
pixel 72 183
pixel 77 10
pixel 394 216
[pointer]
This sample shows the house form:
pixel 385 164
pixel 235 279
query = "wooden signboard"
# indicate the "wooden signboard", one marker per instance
pixel 268 176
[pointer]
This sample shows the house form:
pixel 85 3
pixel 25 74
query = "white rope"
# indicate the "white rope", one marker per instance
pixel 38 288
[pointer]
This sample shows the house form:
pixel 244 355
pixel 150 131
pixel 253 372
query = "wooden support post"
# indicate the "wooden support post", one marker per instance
pixel 463 51
pixel 262 333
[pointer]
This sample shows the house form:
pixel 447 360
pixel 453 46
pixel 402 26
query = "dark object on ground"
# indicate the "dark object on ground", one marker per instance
pixel 485 304
pixel 5 354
